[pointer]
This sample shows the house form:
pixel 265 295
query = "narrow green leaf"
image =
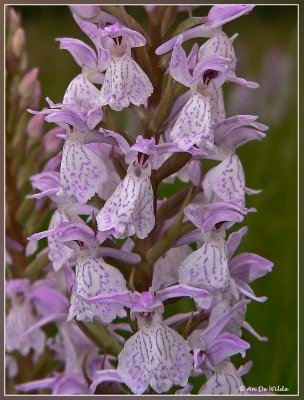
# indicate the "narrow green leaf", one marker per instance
pixel 168 18
pixel 169 208
pixel 35 267
pixel 101 336
pixel 173 164
pixel 187 24
pixel 163 109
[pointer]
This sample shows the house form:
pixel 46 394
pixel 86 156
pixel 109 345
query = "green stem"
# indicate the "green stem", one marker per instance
pixel 101 336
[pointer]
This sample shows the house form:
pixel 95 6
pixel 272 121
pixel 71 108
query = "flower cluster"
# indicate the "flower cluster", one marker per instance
pixel 118 252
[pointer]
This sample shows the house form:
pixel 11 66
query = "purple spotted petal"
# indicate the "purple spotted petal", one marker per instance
pixel 194 124
pixel 95 277
pixel 207 267
pixel 129 211
pixel 155 355
pixel 226 182
pixel 82 172
pixel 219 45
pixel 82 94
pixel 221 14
pixel 125 82
pixel 224 381
pixel 248 267
pixel 217 106
pixel 178 105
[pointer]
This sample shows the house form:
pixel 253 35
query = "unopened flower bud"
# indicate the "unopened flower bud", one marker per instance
pixel 13 20
pixel 18 41
pixel 36 96
pixel 28 84
pixel 34 127
pixel 51 141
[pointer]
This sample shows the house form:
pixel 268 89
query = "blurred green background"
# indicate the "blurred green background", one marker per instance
pixel 267 52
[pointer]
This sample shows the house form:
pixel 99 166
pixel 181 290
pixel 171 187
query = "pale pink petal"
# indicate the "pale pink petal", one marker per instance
pixel 95 277
pixel 82 171
pixel 226 182
pixel 194 124
pixel 224 381
pixel 155 355
pixel 207 267
pixel 81 93
pixel 125 82
pixel 129 211
pixel 59 254
pixel 165 272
